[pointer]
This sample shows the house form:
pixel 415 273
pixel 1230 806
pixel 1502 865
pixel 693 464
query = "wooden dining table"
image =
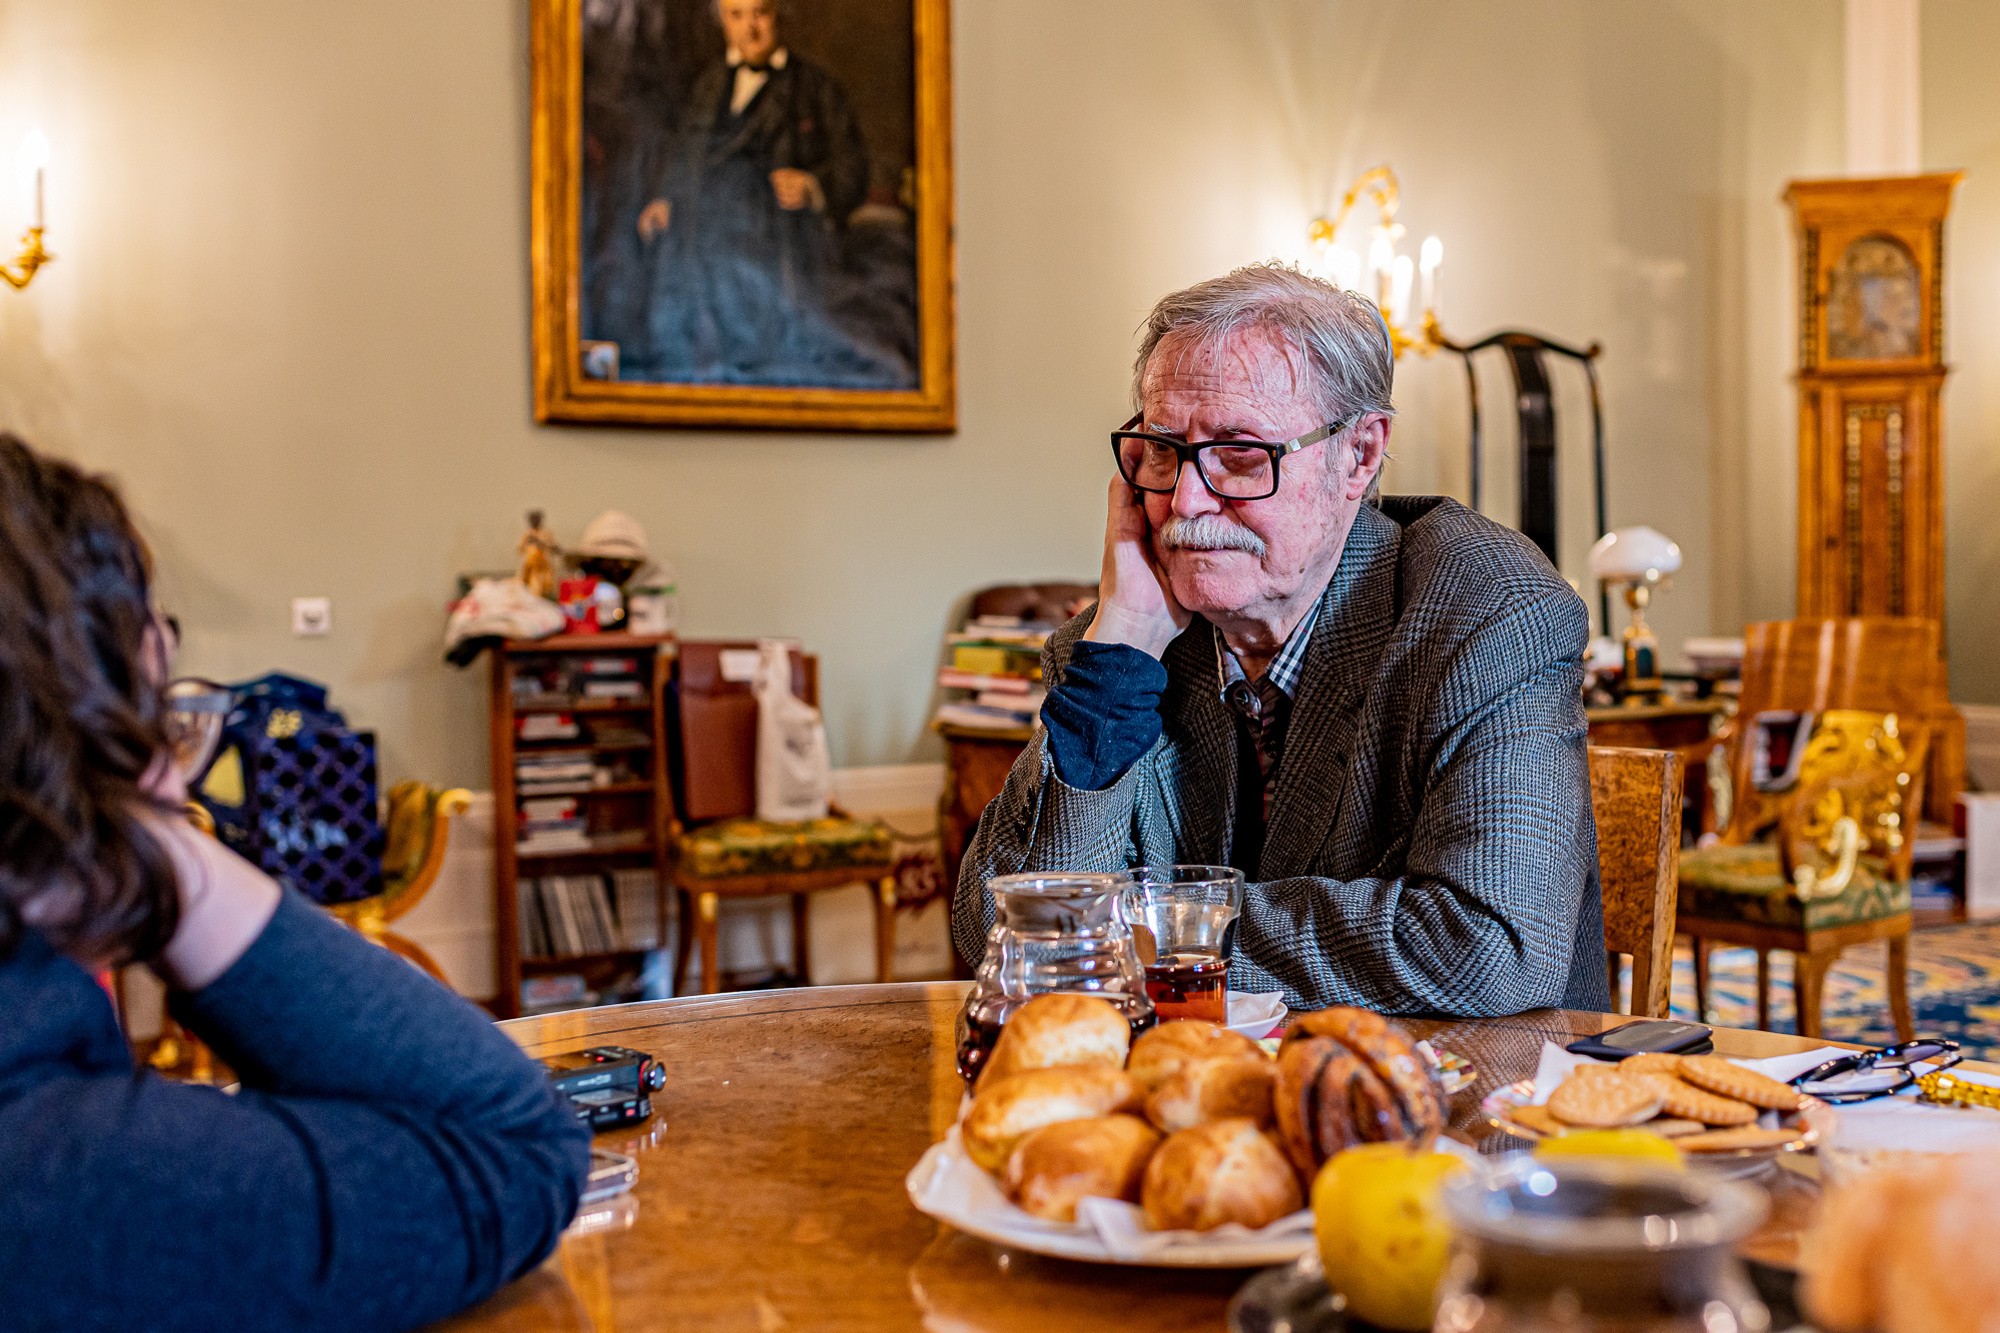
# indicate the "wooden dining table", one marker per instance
pixel 770 1193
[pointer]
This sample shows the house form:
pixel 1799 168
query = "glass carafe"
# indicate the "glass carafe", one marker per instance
pixel 1604 1245
pixel 1051 932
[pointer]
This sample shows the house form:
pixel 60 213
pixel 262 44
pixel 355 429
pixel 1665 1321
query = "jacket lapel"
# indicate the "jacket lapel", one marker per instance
pixel 1356 616
pixel 1201 793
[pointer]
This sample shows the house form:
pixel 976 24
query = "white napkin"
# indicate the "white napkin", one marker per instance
pixel 1255 1015
pixel 1121 1227
pixel 1556 1064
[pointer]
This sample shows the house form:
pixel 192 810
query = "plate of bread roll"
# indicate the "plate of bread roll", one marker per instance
pixel 1714 1111
pixel 1191 1146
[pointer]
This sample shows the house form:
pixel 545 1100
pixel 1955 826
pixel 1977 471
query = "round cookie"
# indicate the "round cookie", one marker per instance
pixel 1745 1085
pixel 1606 1101
pixel 1685 1100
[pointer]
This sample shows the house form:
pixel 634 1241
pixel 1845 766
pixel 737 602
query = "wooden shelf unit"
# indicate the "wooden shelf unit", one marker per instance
pixel 640 805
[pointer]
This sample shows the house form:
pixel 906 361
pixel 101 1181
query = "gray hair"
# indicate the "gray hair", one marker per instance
pixel 1338 335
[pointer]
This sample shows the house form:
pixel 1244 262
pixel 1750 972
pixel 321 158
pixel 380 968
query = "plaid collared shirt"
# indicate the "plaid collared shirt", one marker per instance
pixel 1264 705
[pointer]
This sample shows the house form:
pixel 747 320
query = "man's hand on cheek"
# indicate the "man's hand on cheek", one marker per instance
pixel 1135 601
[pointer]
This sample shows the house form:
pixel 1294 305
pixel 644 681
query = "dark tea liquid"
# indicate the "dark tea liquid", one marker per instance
pixel 982 1030
pixel 1189 985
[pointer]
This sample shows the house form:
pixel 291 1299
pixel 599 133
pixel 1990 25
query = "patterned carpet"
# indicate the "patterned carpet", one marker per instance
pixel 1954 989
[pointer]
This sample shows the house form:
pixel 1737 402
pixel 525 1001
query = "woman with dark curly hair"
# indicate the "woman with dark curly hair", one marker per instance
pixel 390 1157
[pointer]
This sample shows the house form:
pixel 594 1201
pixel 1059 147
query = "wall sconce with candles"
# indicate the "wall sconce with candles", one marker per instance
pixel 1386 276
pixel 35 159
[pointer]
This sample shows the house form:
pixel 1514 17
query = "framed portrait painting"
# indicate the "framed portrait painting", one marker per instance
pixel 742 214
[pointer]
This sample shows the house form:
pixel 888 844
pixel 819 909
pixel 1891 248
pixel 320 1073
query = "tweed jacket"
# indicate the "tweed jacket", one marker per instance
pixel 1430 847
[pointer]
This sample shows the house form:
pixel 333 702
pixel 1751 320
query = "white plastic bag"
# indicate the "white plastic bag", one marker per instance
pixel 794 775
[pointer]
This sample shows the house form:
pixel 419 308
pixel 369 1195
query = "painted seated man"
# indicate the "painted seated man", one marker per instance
pixel 1370 706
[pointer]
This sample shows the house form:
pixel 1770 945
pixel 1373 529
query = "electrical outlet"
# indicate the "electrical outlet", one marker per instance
pixel 312 615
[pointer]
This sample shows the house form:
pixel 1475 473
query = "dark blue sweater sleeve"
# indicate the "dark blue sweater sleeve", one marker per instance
pixel 391 1157
pixel 1105 713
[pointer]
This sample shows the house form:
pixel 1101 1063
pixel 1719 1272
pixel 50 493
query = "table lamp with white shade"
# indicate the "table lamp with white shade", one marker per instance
pixel 1642 559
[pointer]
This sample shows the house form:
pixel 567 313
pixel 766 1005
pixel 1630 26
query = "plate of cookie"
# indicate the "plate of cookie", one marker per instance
pixel 1720 1114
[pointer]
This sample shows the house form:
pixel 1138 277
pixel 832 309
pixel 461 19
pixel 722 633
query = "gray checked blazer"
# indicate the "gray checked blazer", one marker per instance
pixel 1430 848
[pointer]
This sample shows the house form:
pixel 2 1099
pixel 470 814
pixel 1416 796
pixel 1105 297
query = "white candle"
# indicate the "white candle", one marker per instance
pixel 1432 261
pixel 1381 264
pixel 1399 290
pixel 35 157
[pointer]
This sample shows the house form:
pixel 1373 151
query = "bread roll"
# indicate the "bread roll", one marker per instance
pixel 1198 1094
pixel 1054 1166
pixel 1163 1049
pixel 1051 1031
pixel 1009 1108
pixel 1223 1172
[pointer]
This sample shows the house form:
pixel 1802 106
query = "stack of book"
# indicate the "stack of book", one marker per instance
pixel 551 823
pixel 609 678
pixel 567 915
pixel 546 727
pixel 550 772
pixel 993 681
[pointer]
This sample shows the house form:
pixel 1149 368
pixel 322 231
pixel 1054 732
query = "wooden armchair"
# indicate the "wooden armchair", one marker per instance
pixel 721 850
pixel 419 826
pixel 1872 681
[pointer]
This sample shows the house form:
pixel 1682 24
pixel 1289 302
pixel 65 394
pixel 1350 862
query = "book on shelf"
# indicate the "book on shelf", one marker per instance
pixel 611 733
pixel 986 719
pixel 613 689
pixel 997 660
pixel 638 903
pixel 1027 705
pixel 546 727
pixel 606 666
pixel 542 809
pixel 534 926
pixel 951 678
pixel 547 995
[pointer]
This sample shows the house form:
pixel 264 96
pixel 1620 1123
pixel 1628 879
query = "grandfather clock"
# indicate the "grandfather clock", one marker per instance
pixel 1871 365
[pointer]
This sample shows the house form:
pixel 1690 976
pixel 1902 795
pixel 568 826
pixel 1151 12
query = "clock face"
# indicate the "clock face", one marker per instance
pixel 1874 307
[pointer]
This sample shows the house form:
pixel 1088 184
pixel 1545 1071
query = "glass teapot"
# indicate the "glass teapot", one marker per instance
pixel 1051 932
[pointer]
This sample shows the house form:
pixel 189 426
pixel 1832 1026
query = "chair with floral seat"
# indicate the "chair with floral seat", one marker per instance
pixel 721 850
pixel 1827 756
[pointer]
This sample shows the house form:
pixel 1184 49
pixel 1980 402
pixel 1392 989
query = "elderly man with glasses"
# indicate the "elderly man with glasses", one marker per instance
pixel 1371 707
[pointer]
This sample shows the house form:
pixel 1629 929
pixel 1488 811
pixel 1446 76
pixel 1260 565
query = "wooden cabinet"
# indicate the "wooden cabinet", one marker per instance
pixel 1871 368
pixel 623 803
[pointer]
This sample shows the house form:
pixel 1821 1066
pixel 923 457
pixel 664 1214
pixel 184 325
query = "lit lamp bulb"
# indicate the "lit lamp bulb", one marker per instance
pixel 1641 559
pixel 1430 260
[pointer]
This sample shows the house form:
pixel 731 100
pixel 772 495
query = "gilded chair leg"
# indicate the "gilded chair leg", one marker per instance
pixel 705 908
pixel 1898 982
pixel 683 938
pixel 1700 979
pixel 1763 990
pixel 885 929
pixel 802 937
pixel 1809 988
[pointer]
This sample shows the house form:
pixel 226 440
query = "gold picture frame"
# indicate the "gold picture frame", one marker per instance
pixel 580 375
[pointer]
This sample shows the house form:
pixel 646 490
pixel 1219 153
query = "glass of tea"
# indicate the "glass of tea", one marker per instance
pixel 1183 921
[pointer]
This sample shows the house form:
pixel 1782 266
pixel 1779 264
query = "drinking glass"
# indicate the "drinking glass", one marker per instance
pixel 1051 932
pixel 1183 921
pixel 1593 1245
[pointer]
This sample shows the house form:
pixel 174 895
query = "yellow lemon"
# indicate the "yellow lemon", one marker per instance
pixel 1382 1234
pixel 1611 1143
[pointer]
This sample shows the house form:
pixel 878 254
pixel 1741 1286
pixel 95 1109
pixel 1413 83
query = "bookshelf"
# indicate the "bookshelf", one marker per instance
pixel 600 807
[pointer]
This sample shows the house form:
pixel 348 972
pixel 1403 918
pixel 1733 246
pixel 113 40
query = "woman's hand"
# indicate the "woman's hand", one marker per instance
pixel 1135 601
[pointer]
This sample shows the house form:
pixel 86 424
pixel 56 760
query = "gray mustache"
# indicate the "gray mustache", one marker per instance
pixel 1206 532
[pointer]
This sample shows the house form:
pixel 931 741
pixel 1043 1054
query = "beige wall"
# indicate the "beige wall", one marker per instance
pixel 291 308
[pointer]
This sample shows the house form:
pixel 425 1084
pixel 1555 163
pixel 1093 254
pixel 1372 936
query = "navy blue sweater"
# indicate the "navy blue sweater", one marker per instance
pixel 391 1157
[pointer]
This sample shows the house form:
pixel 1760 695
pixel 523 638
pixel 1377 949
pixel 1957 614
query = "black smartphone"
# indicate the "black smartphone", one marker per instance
pixel 1646 1034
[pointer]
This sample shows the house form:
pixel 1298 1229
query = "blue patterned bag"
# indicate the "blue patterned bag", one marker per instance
pixel 292 790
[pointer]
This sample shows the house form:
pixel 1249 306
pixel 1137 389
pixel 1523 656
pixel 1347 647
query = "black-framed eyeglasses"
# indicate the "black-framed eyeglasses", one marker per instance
pixel 1231 469
pixel 1869 1074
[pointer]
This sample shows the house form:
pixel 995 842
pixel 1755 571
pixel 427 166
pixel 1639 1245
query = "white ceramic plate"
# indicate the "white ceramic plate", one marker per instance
pixel 1009 1226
